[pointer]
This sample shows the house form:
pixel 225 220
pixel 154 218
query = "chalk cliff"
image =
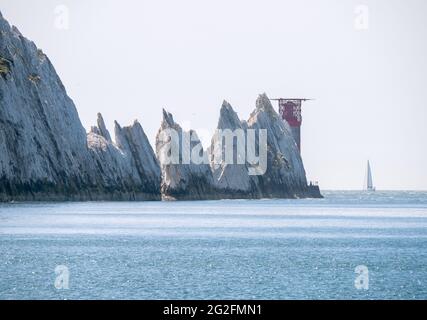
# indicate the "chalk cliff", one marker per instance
pixel 45 153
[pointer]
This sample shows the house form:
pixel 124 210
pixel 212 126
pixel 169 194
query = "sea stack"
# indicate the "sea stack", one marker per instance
pixel 232 180
pixel 285 176
pixel 182 179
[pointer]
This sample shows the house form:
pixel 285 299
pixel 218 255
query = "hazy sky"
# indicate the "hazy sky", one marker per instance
pixel 365 63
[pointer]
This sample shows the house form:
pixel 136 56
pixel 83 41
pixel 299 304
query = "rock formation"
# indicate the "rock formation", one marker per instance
pixel 182 180
pixel 231 179
pixel 128 168
pixel 45 153
pixel 285 176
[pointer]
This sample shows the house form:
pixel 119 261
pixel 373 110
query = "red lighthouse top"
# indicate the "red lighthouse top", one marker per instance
pixel 290 110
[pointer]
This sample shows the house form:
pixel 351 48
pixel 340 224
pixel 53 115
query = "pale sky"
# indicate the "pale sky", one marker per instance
pixel 367 71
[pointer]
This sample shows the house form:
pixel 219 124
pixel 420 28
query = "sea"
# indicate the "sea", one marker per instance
pixel 349 245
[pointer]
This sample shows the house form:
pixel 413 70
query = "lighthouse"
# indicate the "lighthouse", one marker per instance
pixel 290 110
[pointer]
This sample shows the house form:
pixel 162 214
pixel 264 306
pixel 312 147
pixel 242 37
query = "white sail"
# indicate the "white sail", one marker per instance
pixel 369 182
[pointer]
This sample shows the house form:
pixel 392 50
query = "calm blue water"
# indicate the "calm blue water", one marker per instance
pixel 268 249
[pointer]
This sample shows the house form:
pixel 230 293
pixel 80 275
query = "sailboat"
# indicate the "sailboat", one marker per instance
pixel 369 184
